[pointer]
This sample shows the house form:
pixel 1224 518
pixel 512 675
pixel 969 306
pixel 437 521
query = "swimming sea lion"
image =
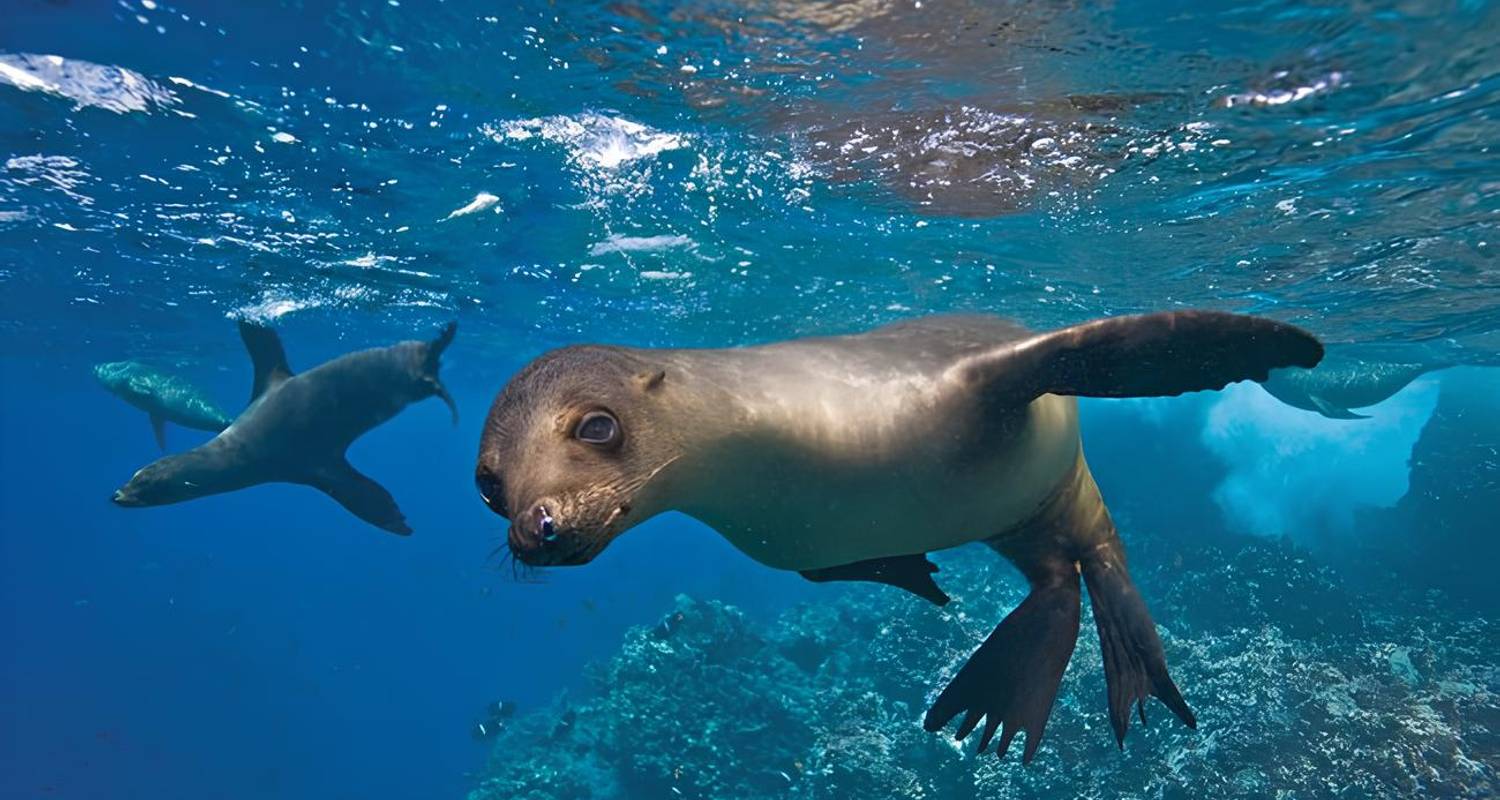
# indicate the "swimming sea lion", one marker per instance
pixel 851 457
pixel 297 427
pixel 1339 385
pixel 166 398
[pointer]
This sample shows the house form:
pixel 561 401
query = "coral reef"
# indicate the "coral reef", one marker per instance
pixel 1302 689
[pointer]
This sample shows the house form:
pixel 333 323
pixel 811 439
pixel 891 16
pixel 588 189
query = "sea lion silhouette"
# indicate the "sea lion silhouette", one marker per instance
pixel 297 427
pixel 1339 385
pixel 849 458
pixel 165 398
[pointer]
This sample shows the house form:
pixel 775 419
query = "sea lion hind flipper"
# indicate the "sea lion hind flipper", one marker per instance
pixel 1148 355
pixel 159 429
pixel 912 573
pixel 435 350
pixel 361 495
pixel 1012 679
pixel 266 355
pixel 1135 666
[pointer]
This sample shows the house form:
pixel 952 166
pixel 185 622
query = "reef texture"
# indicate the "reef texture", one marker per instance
pixel 1302 689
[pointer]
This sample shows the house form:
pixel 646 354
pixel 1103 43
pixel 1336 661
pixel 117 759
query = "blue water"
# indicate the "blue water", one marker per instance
pixel 643 173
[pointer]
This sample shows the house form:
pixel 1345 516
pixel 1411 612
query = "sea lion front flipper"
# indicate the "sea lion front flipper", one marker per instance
pixel 1013 677
pixel 912 573
pixel 360 494
pixel 159 427
pixel 1332 411
pixel 1150 355
pixel 266 355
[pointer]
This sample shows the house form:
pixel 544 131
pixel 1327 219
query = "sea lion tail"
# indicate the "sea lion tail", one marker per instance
pixel 1135 666
pixel 1013 677
pixel 432 363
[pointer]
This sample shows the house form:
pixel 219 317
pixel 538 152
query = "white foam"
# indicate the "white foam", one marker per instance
pixel 1281 97
pixel 273 306
pixel 89 85
pixel 639 244
pixel 481 202
pixel 593 141
pixel 1292 471
pixel 369 260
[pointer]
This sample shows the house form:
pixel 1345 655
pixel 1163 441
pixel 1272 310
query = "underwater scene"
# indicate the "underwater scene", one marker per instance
pixel 743 399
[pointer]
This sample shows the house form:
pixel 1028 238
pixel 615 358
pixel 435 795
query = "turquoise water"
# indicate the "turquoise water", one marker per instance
pixel 715 174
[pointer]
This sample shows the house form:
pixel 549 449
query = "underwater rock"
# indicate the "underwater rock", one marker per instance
pixel 1440 535
pixel 1303 689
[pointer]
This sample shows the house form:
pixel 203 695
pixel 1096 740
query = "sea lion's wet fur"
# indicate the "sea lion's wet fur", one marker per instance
pixel 297 428
pixel 848 457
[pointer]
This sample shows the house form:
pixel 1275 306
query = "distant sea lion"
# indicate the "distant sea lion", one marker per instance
pixel 297 427
pixel 166 398
pixel 1339 385
pixel 851 457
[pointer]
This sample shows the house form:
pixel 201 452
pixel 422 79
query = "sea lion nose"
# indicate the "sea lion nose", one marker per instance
pixel 533 530
pixel 545 525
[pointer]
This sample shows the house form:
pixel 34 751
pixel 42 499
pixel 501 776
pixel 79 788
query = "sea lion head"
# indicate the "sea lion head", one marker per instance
pixel 172 479
pixel 573 452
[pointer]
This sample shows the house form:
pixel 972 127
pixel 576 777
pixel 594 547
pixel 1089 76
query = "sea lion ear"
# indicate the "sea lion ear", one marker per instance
pixel 651 379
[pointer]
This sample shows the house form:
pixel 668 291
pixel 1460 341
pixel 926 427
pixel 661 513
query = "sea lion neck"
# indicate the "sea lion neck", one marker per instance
pixel 704 415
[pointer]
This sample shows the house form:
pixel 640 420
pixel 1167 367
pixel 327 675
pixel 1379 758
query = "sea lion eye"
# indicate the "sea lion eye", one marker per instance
pixel 598 428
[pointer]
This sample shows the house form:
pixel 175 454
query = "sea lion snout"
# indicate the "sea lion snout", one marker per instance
pixel 536 537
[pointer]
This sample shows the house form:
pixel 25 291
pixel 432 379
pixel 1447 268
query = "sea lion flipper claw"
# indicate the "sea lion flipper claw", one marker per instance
pixel 1148 355
pixel 1013 677
pixel 360 494
pixel 912 573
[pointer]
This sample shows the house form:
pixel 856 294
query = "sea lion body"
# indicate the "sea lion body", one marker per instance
pixel 164 398
pixel 899 458
pixel 297 428
pixel 849 458
pixel 1338 386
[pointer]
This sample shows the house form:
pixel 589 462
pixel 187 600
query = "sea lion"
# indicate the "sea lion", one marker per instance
pixel 852 457
pixel 165 398
pixel 297 427
pixel 1342 384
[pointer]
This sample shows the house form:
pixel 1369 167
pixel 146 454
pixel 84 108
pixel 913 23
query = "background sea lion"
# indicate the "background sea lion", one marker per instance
pixel 851 457
pixel 1345 382
pixel 166 398
pixel 297 427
